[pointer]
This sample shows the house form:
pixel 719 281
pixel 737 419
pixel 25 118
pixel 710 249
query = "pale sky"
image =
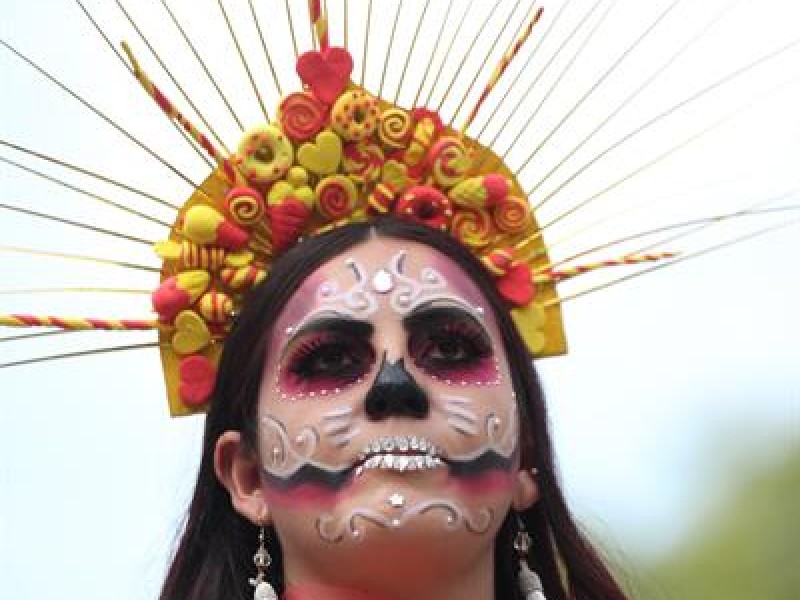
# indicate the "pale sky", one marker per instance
pixel 675 382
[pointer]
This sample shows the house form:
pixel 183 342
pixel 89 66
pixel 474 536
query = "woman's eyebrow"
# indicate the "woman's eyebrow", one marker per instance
pixel 335 324
pixel 430 312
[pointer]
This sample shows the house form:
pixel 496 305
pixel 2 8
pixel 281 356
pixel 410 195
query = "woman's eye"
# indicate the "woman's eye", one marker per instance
pixel 327 361
pixel 449 349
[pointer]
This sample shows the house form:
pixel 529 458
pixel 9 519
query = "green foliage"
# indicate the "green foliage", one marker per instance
pixel 747 549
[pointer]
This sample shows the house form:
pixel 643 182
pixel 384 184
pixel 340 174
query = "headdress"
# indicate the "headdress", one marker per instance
pixel 335 152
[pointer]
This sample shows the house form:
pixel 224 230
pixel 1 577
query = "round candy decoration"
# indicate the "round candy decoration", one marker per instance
pixel 336 197
pixel 244 205
pixel 363 160
pixel 473 226
pixel 426 205
pixel 302 116
pixel 265 154
pixel 448 161
pixel 355 115
pixel 512 215
pixel 395 127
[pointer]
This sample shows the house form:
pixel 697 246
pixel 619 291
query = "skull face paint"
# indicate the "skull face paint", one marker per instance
pixel 386 378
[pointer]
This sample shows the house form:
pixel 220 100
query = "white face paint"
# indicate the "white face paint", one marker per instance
pixel 344 463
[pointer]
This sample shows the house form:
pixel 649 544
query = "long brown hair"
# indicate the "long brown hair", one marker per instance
pixel 213 560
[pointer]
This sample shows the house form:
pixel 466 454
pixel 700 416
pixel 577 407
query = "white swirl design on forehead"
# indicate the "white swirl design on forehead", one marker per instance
pixel 357 301
pixel 411 292
pixel 353 523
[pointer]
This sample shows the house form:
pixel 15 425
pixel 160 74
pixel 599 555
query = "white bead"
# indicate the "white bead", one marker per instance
pixel 264 591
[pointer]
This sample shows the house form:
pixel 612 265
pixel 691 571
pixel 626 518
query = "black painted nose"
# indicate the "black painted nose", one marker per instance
pixel 395 394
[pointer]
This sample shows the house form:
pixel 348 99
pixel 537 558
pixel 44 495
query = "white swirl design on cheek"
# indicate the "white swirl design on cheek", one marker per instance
pixel 502 436
pixel 459 416
pixel 353 523
pixel 357 301
pixel 287 455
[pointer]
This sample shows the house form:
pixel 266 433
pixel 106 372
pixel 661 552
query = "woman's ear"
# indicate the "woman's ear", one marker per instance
pixel 239 470
pixel 526 490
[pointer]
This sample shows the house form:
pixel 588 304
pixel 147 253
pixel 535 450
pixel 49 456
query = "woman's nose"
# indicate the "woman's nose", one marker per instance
pixel 395 394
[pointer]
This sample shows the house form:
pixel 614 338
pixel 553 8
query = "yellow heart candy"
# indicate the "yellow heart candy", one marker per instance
pixel 191 333
pixel 322 157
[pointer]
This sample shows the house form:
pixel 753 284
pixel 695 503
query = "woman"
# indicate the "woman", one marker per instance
pixel 388 333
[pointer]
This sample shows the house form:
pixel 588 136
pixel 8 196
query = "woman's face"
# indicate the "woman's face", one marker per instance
pixel 386 413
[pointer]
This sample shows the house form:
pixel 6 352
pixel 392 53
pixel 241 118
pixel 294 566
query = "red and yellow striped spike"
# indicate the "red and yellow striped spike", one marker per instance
pixel 173 113
pixel 549 275
pixel 77 323
pixel 508 57
pixel 320 23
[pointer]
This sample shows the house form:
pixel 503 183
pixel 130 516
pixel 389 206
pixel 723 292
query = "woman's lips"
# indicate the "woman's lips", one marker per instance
pixel 399 453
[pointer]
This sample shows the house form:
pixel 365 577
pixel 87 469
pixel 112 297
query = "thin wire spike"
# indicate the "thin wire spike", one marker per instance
pixel 598 82
pixel 119 56
pixel 448 51
pixel 486 56
pixel 100 114
pixel 524 69
pixel 242 58
pixel 411 49
pixel 389 47
pixel 314 39
pixel 87 193
pixel 202 63
pixel 291 28
pixel 433 53
pixel 697 225
pixel 578 54
pixel 677 260
pixel 86 226
pixel 264 47
pixel 366 43
pixel 37 334
pixel 346 24
pixel 635 94
pixel 30 361
pixel 464 59
pixel 79 257
pixel 172 78
pixel 568 38
pixel 674 108
pixel 75 290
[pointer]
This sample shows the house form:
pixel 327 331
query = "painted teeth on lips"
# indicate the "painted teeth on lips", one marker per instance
pixel 399 453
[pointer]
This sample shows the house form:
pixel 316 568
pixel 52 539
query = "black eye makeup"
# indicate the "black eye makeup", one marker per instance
pixel 326 356
pixel 448 343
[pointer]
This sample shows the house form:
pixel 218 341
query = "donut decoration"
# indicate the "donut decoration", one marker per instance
pixel 473 227
pixel 245 206
pixel 363 161
pixel 427 205
pixel 337 197
pixel 512 215
pixel 355 115
pixel 265 154
pixel 302 116
pixel 394 129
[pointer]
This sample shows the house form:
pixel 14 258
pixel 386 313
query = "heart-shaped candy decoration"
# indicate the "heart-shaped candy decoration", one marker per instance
pixel 516 285
pixel 191 333
pixel 322 157
pixel 197 375
pixel 326 73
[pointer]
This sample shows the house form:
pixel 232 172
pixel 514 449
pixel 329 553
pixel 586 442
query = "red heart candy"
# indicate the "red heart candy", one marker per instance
pixel 327 73
pixel 197 380
pixel 516 285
